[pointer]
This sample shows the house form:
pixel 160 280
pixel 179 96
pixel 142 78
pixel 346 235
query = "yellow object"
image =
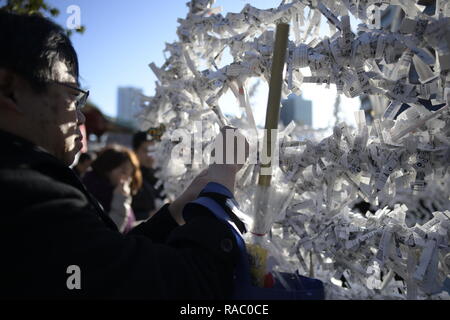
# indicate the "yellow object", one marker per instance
pixel 258 263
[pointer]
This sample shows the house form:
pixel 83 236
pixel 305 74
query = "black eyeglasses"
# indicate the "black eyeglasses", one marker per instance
pixel 81 99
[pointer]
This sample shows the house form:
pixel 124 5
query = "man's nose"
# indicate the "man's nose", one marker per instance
pixel 81 117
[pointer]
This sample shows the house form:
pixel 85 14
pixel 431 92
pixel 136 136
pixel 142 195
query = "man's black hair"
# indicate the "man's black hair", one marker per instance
pixel 139 138
pixel 31 45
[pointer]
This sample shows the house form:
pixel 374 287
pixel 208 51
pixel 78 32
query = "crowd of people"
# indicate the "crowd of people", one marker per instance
pixel 123 180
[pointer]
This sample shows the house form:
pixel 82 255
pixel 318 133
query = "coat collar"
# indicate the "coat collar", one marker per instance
pixel 18 153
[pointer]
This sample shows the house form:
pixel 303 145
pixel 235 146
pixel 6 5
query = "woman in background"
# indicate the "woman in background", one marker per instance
pixel 114 179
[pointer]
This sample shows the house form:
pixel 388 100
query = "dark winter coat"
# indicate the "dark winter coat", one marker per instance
pixel 50 222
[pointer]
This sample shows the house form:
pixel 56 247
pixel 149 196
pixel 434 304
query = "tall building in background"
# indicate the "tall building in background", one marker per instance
pixel 295 108
pixel 128 99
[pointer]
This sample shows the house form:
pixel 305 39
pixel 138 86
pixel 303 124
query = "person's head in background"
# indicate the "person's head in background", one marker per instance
pixel 142 142
pixel 40 99
pixel 118 164
pixel 84 163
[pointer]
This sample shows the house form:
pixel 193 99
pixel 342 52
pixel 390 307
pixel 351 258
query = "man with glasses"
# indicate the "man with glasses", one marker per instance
pixel 56 241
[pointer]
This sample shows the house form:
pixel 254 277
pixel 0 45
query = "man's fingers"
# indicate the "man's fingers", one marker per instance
pixel 231 147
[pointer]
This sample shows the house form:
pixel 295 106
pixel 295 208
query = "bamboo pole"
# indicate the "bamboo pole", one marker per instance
pixel 257 244
pixel 273 104
pixel 262 209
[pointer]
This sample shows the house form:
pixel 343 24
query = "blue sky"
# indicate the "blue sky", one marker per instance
pixel 123 37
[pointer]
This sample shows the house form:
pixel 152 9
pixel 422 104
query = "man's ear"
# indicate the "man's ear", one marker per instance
pixel 8 85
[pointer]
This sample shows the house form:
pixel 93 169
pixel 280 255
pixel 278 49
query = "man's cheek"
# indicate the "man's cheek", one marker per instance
pixel 67 129
pixel 67 121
